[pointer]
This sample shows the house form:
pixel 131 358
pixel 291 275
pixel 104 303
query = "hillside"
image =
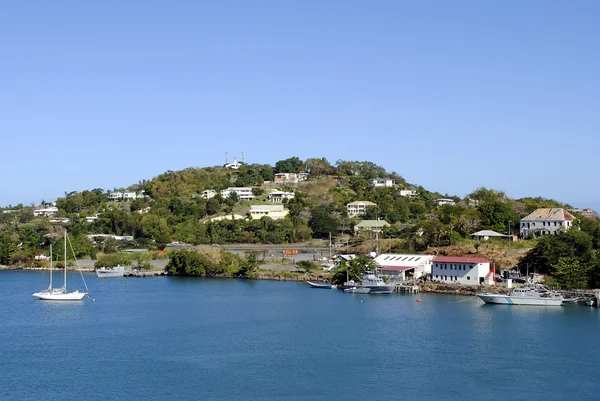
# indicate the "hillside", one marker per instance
pixel 172 207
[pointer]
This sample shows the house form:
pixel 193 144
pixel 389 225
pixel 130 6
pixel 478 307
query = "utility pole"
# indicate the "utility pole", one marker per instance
pixel 377 243
pixel 330 246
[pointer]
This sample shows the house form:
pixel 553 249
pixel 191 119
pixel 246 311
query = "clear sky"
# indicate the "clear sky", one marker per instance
pixel 452 95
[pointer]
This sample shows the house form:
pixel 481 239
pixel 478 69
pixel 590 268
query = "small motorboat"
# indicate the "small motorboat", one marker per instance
pixel 357 290
pixel 322 285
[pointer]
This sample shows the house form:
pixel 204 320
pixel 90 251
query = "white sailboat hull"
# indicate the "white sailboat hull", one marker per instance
pixel 512 300
pixel 54 295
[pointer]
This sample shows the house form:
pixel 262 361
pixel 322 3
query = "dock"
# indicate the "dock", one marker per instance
pixel 408 289
pixel 144 273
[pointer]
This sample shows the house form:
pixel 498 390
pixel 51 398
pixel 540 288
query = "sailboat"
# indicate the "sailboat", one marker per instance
pixel 60 294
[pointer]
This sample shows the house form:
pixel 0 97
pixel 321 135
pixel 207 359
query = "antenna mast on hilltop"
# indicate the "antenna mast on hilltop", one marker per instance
pixel 242 156
pixel 226 161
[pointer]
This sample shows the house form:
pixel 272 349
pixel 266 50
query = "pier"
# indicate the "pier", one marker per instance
pixel 144 273
pixel 408 289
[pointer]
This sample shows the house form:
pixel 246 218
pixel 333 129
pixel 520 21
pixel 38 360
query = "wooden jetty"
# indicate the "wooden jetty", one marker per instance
pixel 409 289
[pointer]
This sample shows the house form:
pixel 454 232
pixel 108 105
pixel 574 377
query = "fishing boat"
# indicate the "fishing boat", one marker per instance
pixel 322 285
pixel 60 294
pixel 529 295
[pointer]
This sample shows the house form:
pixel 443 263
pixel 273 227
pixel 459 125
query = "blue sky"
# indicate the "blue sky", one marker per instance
pixel 452 95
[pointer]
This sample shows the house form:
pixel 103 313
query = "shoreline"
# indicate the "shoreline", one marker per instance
pixel 291 276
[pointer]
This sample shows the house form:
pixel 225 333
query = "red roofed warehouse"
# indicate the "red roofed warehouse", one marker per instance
pixel 462 270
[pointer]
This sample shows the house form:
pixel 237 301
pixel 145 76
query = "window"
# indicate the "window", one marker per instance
pixel 436 276
pixel 470 266
pixel 468 278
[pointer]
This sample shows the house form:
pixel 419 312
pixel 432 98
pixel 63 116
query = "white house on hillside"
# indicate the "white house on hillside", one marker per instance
pixel 397 265
pixel 208 193
pixel 409 193
pixel 445 201
pixel 462 270
pixel 47 211
pixel 382 182
pixel 546 221
pixel 279 196
pixel 358 208
pixel 242 192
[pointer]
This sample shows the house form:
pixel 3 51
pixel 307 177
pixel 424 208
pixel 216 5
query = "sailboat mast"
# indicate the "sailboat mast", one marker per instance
pixel 50 267
pixel 65 261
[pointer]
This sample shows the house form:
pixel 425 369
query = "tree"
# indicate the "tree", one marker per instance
pixel 322 222
pixel 570 273
pixel 307 266
pixel 291 165
pixel 248 266
pixel 187 263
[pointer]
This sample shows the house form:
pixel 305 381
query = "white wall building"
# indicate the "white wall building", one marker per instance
pixel 462 270
pixel 409 193
pixel 47 211
pixel 208 193
pixel 235 165
pixel 129 195
pixel 397 265
pixel 279 196
pixel 382 182
pixel 546 221
pixel 445 201
pixel 358 208
pixel 115 195
pixel 244 193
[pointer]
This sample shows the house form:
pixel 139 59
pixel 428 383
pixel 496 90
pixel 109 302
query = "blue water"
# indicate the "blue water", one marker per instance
pixel 169 338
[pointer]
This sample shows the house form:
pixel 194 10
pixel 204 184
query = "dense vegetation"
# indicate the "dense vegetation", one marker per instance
pixel 172 210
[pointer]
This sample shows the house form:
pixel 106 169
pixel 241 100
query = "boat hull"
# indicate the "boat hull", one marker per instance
pixel 321 285
pixel 499 299
pixel 60 296
pixel 380 289
pixel 360 290
pixel 107 274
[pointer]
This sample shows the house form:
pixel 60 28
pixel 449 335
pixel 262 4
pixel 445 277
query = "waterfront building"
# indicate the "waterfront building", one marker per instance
pixel 398 266
pixel 462 270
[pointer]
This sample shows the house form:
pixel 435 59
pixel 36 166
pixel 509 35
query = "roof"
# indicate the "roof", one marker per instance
pixel 396 268
pixel 266 208
pixel 373 223
pixel 346 257
pixel 549 213
pixel 363 203
pixel 395 260
pixel 488 233
pixel 460 259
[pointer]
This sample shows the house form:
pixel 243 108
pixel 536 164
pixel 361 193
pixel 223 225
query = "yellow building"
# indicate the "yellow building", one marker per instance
pixel 275 212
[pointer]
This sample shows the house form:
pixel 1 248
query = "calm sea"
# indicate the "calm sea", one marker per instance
pixel 169 338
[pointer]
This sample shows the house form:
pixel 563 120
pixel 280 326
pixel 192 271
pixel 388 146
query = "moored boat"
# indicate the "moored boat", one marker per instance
pixel 373 282
pixel 528 295
pixel 322 285
pixel 117 271
pixel 357 290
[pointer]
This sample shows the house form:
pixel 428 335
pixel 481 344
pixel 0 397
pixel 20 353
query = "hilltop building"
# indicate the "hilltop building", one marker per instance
pixel 545 221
